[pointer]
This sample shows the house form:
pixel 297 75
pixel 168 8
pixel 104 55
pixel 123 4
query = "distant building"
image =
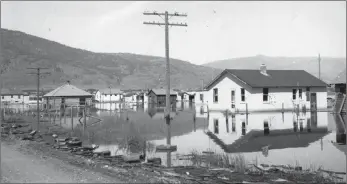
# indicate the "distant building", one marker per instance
pixel 67 95
pixel 200 97
pixel 158 97
pixel 185 96
pixel 93 92
pixel 340 83
pixel 12 96
pixel 108 95
pixel 265 90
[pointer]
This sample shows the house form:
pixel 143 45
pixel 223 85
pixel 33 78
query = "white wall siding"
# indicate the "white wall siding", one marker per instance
pixel 254 98
pixel 12 98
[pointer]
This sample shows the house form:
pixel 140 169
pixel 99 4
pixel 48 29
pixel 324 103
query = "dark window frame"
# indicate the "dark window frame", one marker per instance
pixel 215 95
pixel 243 95
pixel 233 94
pixel 300 93
pixel 265 94
pixel 294 94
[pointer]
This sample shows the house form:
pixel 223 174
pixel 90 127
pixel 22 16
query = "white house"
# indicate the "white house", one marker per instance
pixel 200 97
pixel 109 94
pixel 12 97
pixel 265 90
pixel 130 98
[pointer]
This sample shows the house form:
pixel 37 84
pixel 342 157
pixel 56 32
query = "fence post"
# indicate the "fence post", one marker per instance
pixel 71 117
pixel 64 113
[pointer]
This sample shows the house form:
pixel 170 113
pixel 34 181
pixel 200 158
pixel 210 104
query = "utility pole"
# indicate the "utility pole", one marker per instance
pixel 319 66
pixel 38 91
pixel 167 24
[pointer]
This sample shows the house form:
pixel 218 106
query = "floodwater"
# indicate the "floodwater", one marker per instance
pixel 305 139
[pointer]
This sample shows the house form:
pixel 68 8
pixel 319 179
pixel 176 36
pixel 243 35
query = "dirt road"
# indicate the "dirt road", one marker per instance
pixel 20 166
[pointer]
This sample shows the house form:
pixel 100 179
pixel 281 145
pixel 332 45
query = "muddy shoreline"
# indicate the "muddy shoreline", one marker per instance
pixel 42 142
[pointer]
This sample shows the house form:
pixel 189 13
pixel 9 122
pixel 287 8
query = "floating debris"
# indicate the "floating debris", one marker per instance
pixel 165 148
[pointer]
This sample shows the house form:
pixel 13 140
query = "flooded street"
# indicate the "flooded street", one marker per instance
pixel 303 139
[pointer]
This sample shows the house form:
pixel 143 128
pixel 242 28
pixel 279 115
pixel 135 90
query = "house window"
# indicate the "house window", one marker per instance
pixel 215 95
pixel 2 97
pixel 18 96
pixel 232 96
pixel 265 94
pixel 294 94
pixel 202 97
pixel 300 93
pixel 11 96
pixel 243 98
pixel 307 94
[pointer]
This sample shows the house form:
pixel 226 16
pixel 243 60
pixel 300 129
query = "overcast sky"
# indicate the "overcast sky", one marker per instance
pixel 216 30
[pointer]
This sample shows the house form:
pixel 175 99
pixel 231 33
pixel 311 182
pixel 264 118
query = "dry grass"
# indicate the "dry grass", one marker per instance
pixel 236 162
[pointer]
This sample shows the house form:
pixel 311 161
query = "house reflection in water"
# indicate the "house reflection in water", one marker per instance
pixel 268 130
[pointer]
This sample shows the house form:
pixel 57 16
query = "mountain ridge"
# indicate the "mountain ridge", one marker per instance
pixel 330 66
pixel 91 69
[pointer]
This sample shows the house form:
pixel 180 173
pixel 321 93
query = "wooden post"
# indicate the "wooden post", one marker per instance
pixel 85 116
pixel 64 113
pixel 84 119
pixel 60 111
pixel 54 111
pixel 72 117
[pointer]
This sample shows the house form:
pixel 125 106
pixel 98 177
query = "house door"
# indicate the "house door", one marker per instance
pixel 314 101
pixel 232 99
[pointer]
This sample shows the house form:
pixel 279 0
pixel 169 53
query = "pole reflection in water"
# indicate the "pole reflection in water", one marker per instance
pixel 233 123
pixel 243 128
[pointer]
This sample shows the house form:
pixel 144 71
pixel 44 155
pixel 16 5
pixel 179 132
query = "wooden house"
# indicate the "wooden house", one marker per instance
pixel 158 97
pixel 265 90
pixel 67 95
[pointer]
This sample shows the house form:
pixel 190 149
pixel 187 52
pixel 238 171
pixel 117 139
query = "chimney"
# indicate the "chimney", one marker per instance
pixel 263 69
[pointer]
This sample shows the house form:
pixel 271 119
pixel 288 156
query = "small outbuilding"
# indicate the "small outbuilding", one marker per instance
pixel 67 95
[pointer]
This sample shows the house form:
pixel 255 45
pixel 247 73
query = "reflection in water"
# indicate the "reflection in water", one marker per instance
pixel 266 127
pixel 233 123
pixel 227 123
pixel 243 128
pixel 280 127
pixel 216 128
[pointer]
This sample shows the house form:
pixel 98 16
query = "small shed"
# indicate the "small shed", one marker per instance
pixel 68 95
pixel 340 83
pixel 158 97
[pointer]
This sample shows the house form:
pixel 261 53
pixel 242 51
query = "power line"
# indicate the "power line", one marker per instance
pixel 319 66
pixel 39 73
pixel 167 24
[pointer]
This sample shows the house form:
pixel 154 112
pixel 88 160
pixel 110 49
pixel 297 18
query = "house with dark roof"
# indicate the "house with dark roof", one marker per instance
pixel 265 90
pixel 158 97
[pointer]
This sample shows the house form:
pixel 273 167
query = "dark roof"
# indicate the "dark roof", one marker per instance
pixel 275 78
pixel 162 92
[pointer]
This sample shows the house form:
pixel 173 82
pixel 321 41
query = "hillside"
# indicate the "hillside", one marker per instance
pixel 88 69
pixel 330 67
